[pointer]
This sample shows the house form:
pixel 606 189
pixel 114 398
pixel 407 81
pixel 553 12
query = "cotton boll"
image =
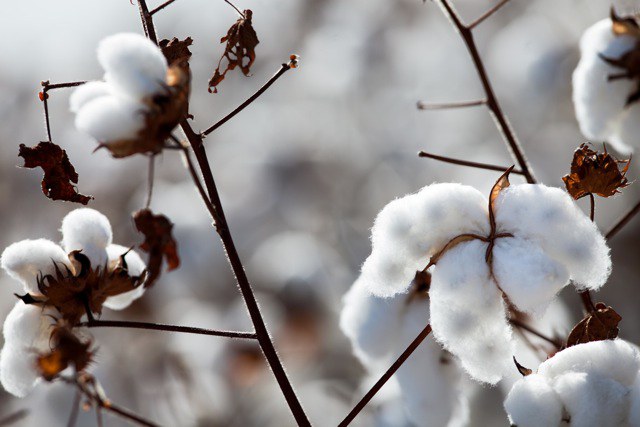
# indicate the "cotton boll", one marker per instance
pixel 27 259
pixel 526 274
pixel 532 402
pixel 592 400
pixel 109 118
pixel 135 268
pixel 87 230
pixel 370 322
pixel 18 373
pixel 386 272
pixel 628 131
pixel 548 217
pixel 86 93
pixel 597 101
pixel 22 327
pixel 133 65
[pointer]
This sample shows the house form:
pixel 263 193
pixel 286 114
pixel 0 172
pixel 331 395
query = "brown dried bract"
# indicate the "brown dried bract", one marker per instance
pixel 67 350
pixel 523 371
pixel 74 292
pixel 596 326
pixel 59 174
pixel 241 43
pixel 420 285
pixel 177 51
pixel 158 243
pixel 595 173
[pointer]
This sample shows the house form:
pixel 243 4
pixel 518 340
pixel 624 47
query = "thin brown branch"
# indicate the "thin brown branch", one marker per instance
pixel 386 376
pixel 162 6
pixel 521 325
pixel 487 14
pixel 492 102
pixel 150 179
pixel 592 211
pixel 468 163
pixel 14 417
pixel 44 97
pixel 166 328
pixel 450 105
pixel 623 221
pixel 283 69
pixel 75 409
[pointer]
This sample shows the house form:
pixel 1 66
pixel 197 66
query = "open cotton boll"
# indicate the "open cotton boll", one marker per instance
pixel 532 402
pixel 109 118
pixel 598 102
pixel 25 327
pixel 549 217
pixel 592 400
pixel 27 259
pixel 135 268
pixel 133 65
pixel 18 373
pixel 386 273
pixel 86 93
pixel 526 274
pixel 87 230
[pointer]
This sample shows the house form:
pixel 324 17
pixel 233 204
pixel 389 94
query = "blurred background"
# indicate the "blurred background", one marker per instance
pixel 302 173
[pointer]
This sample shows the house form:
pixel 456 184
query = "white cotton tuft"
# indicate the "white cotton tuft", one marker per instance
pixel 109 118
pixel 549 218
pixel 599 102
pixel 135 268
pixel 628 133
pixel 18 373
pixel 468 315
pixel 634 403
pixel 87 230
pixel 23 326
pixel 134 66
pixel 87 93
pixel 532 402
pixel 27 259
pixel 526 274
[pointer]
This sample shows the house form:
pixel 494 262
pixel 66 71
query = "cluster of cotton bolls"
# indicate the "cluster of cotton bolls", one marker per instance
pixel 541 241
pixel 601 103
pixel 27 329
pixel 114 110
pixel 588 385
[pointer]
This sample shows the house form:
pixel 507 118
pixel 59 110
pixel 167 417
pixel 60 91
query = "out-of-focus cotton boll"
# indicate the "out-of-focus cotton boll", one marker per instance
pixel 134 66
pixel 87 93
pixel 109 118
pixel 28 259
pixel 600 103
pixel 532 402
pixel 626 7
pixel 135 267
pixel 22 327
pixel 17 371
pixel 87 230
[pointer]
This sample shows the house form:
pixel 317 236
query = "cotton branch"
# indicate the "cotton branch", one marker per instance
pixel 386 376
pixel 623 221
pixel 521 325
pixel 450 105
pixel 487 14
pixel 502 123
pixel 14 417
pixel 468 163
pixel 166 328
pixel 44 97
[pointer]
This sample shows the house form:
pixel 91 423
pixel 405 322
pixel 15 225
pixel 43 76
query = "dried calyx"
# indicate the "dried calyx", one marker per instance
pixel 628 63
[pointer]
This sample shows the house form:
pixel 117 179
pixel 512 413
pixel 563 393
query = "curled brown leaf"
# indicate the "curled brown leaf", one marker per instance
pixel 602 324
pixel 159 243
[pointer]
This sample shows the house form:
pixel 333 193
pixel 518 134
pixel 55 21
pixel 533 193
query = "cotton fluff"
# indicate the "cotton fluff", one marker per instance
pixel 27 328
pixel 545 242
pixel 592 384
pixel 114 110
pixel 380 329
pixel 600 103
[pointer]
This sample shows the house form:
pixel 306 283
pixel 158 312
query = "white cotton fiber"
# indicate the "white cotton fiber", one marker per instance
pixel 135 268
pixel 109 118
pixel 526 274
pixel 550 218
pixel 133 65
pixel 22 327
pixel 634 403
pixel 86 93
pixel 27 259
pixel 532 402
pixel 18 373
pixel 628 133
pixel 87 230
pixel 592 400
pixel 597 101
pixel 386 272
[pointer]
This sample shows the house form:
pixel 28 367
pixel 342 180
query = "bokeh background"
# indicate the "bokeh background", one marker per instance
pixel 302 173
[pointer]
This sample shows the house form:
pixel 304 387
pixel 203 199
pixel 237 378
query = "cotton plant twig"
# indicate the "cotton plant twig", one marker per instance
pixel 75 409
pixel 44 97
pixel 263 337
pixel 622 222
pixel 13 417
pixel 487 14
pixel 525 327
pixel 167 3
pixel 461 162
pixel 422 105
pixel 166 328
pixel 386 376
pixel 150 179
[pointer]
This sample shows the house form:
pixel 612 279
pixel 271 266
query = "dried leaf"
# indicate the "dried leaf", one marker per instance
pixel 501 184
pixel 596 326
pixel 177 51
pixel 523 371
pixel 241 43
pixel 59 174
pixel 159 242
pixel 627 25
pixel 595 173
pixel 67 350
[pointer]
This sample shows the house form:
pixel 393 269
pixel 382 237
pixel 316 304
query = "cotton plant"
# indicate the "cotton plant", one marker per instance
pixel 139 102
pixel 520 247
pixel 595 384
pixel 429 382
pixel 62 284
pixel 606 82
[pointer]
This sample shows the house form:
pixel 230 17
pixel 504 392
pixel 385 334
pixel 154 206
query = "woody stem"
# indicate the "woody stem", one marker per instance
pixel 166 328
